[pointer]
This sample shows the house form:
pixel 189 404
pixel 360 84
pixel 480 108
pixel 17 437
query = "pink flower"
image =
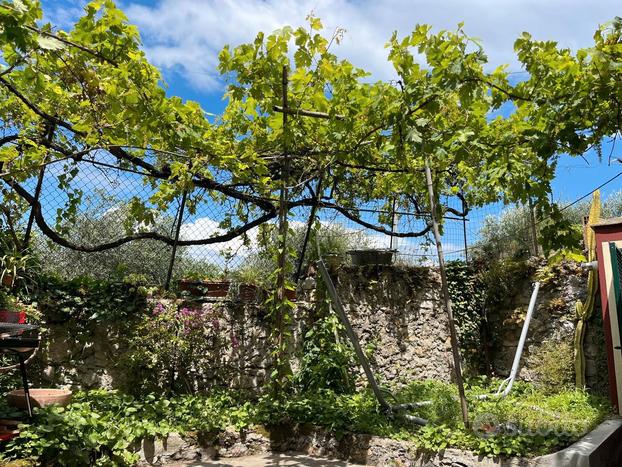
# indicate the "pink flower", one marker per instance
pixel 158 309
pixel 234 341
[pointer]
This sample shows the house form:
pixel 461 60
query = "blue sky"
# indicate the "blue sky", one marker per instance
pixel 183 38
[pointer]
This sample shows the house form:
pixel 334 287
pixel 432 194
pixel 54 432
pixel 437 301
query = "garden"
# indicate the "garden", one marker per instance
pixel 170 273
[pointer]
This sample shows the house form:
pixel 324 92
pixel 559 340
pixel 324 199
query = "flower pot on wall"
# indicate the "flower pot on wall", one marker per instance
pixel 371 256
pixel 248 292
pixel 216 288
pixel 190 286
pixel 198 288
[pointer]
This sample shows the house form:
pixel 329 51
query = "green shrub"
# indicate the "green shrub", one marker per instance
pixel 553 365
pixel 102 427
pixel 327 358
pixel 467 298
pixel 83 300
pixel 174 348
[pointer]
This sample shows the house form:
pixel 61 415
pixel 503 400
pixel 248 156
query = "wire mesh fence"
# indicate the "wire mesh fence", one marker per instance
pixel 98 199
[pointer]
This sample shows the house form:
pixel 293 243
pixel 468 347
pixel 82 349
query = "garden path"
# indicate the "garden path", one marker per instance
pixel 269 460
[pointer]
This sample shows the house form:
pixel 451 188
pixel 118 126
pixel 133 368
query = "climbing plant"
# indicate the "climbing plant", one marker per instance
pixel 88 95
pixel 584 310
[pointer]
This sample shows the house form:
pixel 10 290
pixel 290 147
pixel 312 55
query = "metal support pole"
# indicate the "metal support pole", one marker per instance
pixel 22 369
pixel 392 224
pixel 281 279
pixel 450 316
pixel 180 220
pixel 283 227
pixel 31 217
pixel 534 232
pixel 464 234
pixel 338 307
pixel 506 386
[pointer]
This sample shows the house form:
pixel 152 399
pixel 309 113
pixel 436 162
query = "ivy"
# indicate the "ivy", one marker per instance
pixel 84 300
pixel 468 295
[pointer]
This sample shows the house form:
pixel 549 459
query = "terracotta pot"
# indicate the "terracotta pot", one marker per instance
pixel 8 429
pixel 39 398
pixel 216 289
pixel 366 257
pixel 247 292
pixel 190 286
pixel 205 288
pixel 7 280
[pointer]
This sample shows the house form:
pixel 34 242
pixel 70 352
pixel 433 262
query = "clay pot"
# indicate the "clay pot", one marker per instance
pixel 247 292
pixel 366 257
pixel 205 288
pixel 217 289
pixel 190 286
pixel 8 429
pixel 39 398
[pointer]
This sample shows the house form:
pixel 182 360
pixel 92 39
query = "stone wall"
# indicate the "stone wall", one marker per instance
pixel 326 446
pixel 554 321
pixel 396 312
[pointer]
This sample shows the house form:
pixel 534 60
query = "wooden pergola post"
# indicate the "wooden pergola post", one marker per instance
pixel 455 349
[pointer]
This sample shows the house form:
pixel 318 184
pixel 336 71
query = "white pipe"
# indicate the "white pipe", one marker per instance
pixel 521 344
pixel 593 265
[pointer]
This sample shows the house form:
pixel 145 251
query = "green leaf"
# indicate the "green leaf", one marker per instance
pixel 49 43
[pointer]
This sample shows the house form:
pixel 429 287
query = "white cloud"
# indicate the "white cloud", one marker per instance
pixel 185 36
pixel 412 250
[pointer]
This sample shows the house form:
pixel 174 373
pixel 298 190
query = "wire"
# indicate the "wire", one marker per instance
pixel 588 194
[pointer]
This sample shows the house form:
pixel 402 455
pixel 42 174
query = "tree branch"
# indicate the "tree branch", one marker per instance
pixel 60 240
pixel 37 110
pixel 370 226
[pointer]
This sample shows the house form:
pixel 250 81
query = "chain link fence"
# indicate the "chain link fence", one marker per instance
pixel 103 215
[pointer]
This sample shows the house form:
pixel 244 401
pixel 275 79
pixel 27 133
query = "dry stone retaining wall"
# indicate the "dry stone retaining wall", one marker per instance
pixel 396 312
pixel 363 449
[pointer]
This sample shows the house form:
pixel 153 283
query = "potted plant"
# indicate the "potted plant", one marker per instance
pixel 205 284
pixel 249 282
pixel 372 256
pixel 190 283
pixel 11 310
pixel 216 288
pixel 14 266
